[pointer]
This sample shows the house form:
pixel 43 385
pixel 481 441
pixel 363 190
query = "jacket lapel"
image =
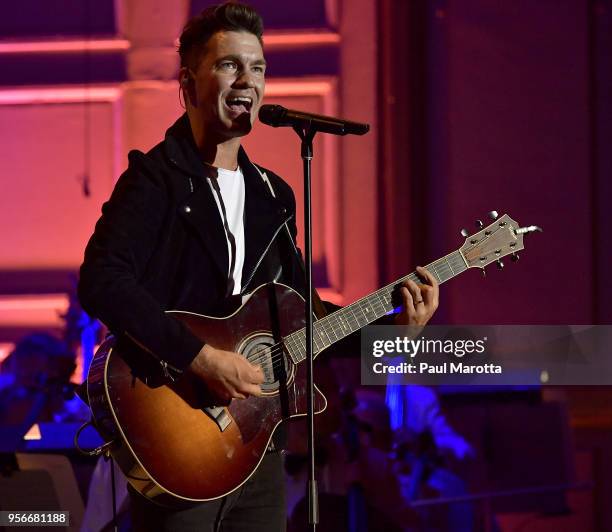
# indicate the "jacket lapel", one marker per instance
pixel 198 209
pixel 263 215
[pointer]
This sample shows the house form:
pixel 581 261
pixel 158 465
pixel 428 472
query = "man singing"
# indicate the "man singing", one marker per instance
pixel 192 225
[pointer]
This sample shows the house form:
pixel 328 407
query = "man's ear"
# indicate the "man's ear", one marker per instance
pixel 185 82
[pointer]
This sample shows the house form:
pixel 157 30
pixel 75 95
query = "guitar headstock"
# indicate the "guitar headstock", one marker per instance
pixel 501 238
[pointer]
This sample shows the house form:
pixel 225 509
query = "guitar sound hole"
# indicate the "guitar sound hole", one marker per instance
pixel 263 351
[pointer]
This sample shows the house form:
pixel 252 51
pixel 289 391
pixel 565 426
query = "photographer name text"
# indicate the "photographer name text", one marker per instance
pixel 445 368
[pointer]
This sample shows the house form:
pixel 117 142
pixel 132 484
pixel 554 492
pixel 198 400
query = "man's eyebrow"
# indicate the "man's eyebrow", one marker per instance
pixel 239 59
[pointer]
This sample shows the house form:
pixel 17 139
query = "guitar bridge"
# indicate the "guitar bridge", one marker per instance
pixel 219 415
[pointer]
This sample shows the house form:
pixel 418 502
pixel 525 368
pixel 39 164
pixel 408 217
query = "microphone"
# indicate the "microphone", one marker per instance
pixel 279 116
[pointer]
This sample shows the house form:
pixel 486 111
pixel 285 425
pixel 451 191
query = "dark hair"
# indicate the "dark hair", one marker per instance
pixel 231 16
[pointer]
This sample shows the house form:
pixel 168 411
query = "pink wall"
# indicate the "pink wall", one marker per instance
pixel 494 110
pixel 56 132
pixel 519 143
pixel 507 126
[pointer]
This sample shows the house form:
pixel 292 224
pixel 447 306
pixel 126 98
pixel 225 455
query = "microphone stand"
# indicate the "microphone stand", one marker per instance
pixel 307 134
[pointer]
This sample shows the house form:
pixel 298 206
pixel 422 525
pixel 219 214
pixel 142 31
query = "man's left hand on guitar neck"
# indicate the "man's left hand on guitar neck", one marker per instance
pixel 419 301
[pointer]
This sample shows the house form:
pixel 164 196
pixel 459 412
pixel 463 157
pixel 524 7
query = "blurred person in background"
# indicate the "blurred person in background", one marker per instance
pixel 35 385
pixel 425 448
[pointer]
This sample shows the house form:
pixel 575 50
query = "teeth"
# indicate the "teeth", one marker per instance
pixel 239 100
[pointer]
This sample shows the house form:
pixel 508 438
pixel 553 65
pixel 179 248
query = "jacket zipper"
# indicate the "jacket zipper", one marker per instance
pixel 261 257
pixel 164 365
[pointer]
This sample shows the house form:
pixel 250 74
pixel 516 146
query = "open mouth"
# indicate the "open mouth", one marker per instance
pixel 239 104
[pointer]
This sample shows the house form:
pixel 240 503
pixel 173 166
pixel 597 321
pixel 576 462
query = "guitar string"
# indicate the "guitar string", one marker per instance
pixel 442 268
pixel 275 351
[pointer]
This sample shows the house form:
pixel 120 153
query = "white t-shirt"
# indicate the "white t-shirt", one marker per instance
pixel 231 185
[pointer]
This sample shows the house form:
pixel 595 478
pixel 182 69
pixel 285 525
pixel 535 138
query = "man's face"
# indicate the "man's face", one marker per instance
pixel 229 84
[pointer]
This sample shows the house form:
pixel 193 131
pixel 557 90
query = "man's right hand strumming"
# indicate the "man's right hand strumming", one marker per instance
pixel 227 375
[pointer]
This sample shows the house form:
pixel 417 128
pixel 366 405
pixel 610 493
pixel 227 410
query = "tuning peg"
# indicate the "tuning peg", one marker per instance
pixel 493 215
pixel 525 230
pixel 465 233
pixel 479 224
pixel 514 257
pixel 500 264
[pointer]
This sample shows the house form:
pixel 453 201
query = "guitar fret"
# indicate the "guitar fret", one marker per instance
pixel 442 271
pixel 290 346
pixel 318 333
pixel 459 262
pixel 359 304
pixel 327 341
pixel 353 316
pixel 296 345
pixel 334 327
pixel 328 338
pixel 439 275
pixel 301 344
pixel 354 323
pixel 315 342
pixel 450 266
pixel 436 274
pixel 388 301
pixel 332 332
pixel 345 326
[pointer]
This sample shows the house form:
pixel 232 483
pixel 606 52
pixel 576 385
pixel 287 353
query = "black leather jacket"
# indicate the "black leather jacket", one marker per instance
pixel 160 245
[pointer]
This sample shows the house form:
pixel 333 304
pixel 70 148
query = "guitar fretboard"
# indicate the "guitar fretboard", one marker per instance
pixel 340 324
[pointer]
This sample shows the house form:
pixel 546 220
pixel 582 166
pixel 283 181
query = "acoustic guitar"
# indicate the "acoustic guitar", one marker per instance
pixel 173 444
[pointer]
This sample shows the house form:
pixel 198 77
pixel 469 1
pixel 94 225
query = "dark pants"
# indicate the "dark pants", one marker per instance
pixel 257 505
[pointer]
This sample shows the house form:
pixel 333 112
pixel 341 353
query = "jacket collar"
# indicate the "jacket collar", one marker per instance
pixel 181 149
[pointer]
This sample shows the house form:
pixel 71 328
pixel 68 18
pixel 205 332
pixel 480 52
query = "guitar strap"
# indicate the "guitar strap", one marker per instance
pixel 319 308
